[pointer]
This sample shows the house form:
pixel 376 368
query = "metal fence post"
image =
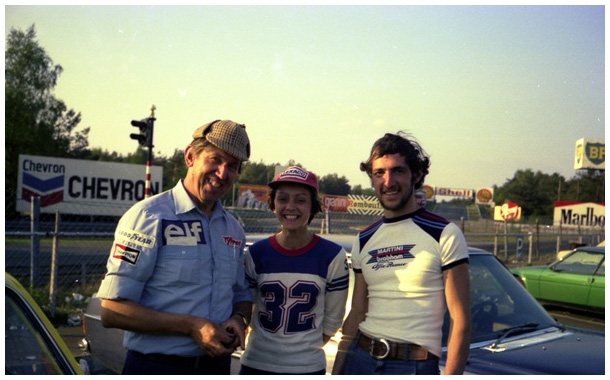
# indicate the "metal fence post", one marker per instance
pixel 559 237
pixel 537 239
pixel 53 282
pixel 34 242
pixel 496 241
pixel 505 239
pixel 531 242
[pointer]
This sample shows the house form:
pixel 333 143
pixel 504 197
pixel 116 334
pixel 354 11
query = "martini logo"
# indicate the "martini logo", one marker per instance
pixel 50 190
pixel 386 257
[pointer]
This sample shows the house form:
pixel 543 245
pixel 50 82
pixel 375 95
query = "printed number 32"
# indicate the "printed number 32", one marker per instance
pixel 296 315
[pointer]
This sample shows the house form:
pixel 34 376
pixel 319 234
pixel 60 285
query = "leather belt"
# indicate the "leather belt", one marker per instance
pixel 384 349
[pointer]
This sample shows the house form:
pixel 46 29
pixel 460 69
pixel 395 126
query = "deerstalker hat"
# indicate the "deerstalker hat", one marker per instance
pixel 226 135
pixel 295 174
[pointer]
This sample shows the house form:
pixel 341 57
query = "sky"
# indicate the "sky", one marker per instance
pixel 486 90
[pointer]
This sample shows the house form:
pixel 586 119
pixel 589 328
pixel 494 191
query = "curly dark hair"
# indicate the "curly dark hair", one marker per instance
pixel 405 145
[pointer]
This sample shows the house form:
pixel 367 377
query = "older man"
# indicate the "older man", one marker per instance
pixel 175 276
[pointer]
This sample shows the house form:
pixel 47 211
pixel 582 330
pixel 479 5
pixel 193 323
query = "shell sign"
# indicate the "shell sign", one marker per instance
pixel 484 196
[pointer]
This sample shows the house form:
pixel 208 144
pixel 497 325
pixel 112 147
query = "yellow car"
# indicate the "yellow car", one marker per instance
pixel 32 345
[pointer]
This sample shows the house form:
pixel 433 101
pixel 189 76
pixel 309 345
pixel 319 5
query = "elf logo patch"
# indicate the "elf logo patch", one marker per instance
pixel 182 232
pixel 126 254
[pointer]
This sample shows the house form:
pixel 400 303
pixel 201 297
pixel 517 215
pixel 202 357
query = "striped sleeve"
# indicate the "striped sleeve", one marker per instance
pixel 336 293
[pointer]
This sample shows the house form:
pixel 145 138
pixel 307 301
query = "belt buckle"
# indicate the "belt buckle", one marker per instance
pixel 387 346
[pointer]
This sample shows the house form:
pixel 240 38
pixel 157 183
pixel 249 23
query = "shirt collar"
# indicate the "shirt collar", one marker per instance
pixel 183 202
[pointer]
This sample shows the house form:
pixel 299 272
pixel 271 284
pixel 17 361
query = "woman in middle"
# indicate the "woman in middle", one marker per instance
pixel 299 281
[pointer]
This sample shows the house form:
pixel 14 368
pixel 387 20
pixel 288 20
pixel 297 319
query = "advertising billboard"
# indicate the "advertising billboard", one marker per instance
pixel 509 211
pixel 590 154
pixel 584 214
pixel 364 205
pixel 253 196
pixel 484 196
pixel 83 187
pixel 461 193
pixel 336 203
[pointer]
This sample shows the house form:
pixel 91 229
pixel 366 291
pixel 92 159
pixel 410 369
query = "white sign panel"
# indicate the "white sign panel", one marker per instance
pixel 83 187
pixel 461 193
pixel 579 213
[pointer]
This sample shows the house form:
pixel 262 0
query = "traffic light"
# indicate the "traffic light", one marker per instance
pixel 146 131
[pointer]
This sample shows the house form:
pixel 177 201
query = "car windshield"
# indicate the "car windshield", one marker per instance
pixel 498 302
pixel 28 350
pixel 580 262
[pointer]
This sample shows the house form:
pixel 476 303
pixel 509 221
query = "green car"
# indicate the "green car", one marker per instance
pixel 575 281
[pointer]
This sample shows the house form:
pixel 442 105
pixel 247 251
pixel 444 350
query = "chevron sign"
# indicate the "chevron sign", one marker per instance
pixel 81 186
pixel 50 191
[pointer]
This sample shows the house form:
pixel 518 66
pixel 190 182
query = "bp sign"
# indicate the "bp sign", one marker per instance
pixel 82 187
pixel 590 154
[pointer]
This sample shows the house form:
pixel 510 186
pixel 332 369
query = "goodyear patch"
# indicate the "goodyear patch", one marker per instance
pixel 126 254
pixel 134 237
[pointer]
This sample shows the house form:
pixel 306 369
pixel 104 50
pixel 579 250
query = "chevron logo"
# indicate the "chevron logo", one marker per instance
pixel 50 191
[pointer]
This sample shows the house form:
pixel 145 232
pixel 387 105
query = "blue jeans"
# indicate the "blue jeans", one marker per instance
pixel 360 362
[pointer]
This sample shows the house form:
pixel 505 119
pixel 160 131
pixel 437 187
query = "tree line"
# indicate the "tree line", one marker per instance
pixel 38 123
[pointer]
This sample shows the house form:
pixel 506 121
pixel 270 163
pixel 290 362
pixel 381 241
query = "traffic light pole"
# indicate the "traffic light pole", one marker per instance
pixel 145 139
pixel 150 152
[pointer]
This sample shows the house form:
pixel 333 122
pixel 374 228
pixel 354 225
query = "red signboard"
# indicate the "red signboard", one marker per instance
pixel 336 203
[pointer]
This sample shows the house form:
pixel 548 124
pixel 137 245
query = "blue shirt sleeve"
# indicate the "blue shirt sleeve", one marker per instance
pixel 132 257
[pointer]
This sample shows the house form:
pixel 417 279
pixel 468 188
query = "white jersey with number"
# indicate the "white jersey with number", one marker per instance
pixel 299 295
pixel 402 260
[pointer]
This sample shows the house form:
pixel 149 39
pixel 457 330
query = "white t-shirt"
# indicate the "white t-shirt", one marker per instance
pixel 402 260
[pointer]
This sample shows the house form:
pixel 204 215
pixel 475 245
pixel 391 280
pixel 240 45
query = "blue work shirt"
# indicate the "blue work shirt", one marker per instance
pixel 169 257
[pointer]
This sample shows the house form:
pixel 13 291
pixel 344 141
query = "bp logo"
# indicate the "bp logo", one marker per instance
pixel 50 191
pixel 596 153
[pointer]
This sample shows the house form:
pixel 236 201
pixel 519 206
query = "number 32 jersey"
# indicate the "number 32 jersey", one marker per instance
pixel 299 295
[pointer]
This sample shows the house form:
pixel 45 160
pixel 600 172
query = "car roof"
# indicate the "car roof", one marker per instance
pixel 592 249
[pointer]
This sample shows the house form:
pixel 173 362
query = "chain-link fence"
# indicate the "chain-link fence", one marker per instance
pixel 62 258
